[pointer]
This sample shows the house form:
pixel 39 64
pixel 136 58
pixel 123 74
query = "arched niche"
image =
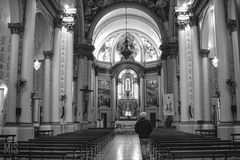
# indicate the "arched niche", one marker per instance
pixel 138 68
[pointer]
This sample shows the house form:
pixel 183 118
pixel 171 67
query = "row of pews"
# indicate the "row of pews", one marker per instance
pixel 83 145
pixel 172 144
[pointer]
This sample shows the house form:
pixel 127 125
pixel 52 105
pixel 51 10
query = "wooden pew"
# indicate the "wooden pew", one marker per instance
pixel 235 137
pixel 206 132
pixel 168 144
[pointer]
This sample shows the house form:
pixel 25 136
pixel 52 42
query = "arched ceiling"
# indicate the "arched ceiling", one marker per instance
pixel 115 22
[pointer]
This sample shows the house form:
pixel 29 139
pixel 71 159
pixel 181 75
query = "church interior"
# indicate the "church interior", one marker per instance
pixel 71 65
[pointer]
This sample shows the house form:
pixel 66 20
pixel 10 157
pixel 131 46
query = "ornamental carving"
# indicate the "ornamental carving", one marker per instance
pixel 181 24
pixel 15 28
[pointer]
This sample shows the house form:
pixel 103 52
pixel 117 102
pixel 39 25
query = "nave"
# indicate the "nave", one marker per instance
pixel 122 147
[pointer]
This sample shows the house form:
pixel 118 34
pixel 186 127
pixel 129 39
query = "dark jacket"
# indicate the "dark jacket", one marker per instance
pixel 143 128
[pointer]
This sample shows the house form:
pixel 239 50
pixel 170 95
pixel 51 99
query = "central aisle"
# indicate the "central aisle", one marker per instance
pixel 122 147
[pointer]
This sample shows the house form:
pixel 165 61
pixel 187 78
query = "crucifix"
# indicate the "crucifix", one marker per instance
pixel 85 91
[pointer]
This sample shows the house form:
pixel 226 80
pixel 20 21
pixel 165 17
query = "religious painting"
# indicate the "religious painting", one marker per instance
pixel 168 105
pixel 152 93
pixel 104 93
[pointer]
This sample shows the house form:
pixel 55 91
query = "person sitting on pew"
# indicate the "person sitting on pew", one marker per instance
pixel 144 128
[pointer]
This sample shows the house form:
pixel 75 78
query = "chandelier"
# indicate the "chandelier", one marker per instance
pixel 125 50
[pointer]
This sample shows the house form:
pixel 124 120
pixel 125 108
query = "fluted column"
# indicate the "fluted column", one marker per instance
pixel 196 70
pixel 223 64
pixel 56 72
pixel 13 89
pixel 84 53
pixel 206 94
pixel 69 77
pixel 27 62
pixel 47 89
pixel 183 71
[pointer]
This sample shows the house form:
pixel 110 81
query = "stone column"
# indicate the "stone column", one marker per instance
pixel 142 88
pixel 236 38
pixel 47 89
pixel 205 79
pixel 232 26
pixel 183 70
pixel 84 53
pixel 69 77
pixel 223 64
pixel 113 97
pixel 13 88
pixel 196 70
pixel 56 71
pixel 27 62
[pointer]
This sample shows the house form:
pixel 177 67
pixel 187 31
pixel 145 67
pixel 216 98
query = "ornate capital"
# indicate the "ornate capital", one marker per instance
pixel 169 49
pixel 181 24
pixel 204 52
pixel 15 28
pixel 84 50
pixel 47 54
pixel 232 25
pixel 69 27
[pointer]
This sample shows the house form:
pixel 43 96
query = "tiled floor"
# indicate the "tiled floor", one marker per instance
pixel 122 147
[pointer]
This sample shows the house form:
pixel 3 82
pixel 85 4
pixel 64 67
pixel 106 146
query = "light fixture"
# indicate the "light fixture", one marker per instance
pixel 36 64
pixel 215 61
pixel 125 50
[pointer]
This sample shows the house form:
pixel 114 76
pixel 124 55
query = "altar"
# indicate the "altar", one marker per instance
pixel 125 126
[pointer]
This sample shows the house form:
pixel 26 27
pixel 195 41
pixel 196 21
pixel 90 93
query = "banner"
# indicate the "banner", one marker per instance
pixel 168 105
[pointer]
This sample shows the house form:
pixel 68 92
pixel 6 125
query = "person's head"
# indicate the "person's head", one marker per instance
pixel 143 115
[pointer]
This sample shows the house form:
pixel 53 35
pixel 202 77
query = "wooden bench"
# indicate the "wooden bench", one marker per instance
pixel 6 137
pixel 235 137
pixel 39 132
pixel 207 132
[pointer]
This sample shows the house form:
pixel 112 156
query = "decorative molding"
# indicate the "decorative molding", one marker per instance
pixel 204 52
pixel 48 54
pixel 15 28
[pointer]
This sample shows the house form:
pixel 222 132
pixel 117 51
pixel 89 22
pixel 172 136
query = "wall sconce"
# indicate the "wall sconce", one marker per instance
pixel 215 62
pixel 36 64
